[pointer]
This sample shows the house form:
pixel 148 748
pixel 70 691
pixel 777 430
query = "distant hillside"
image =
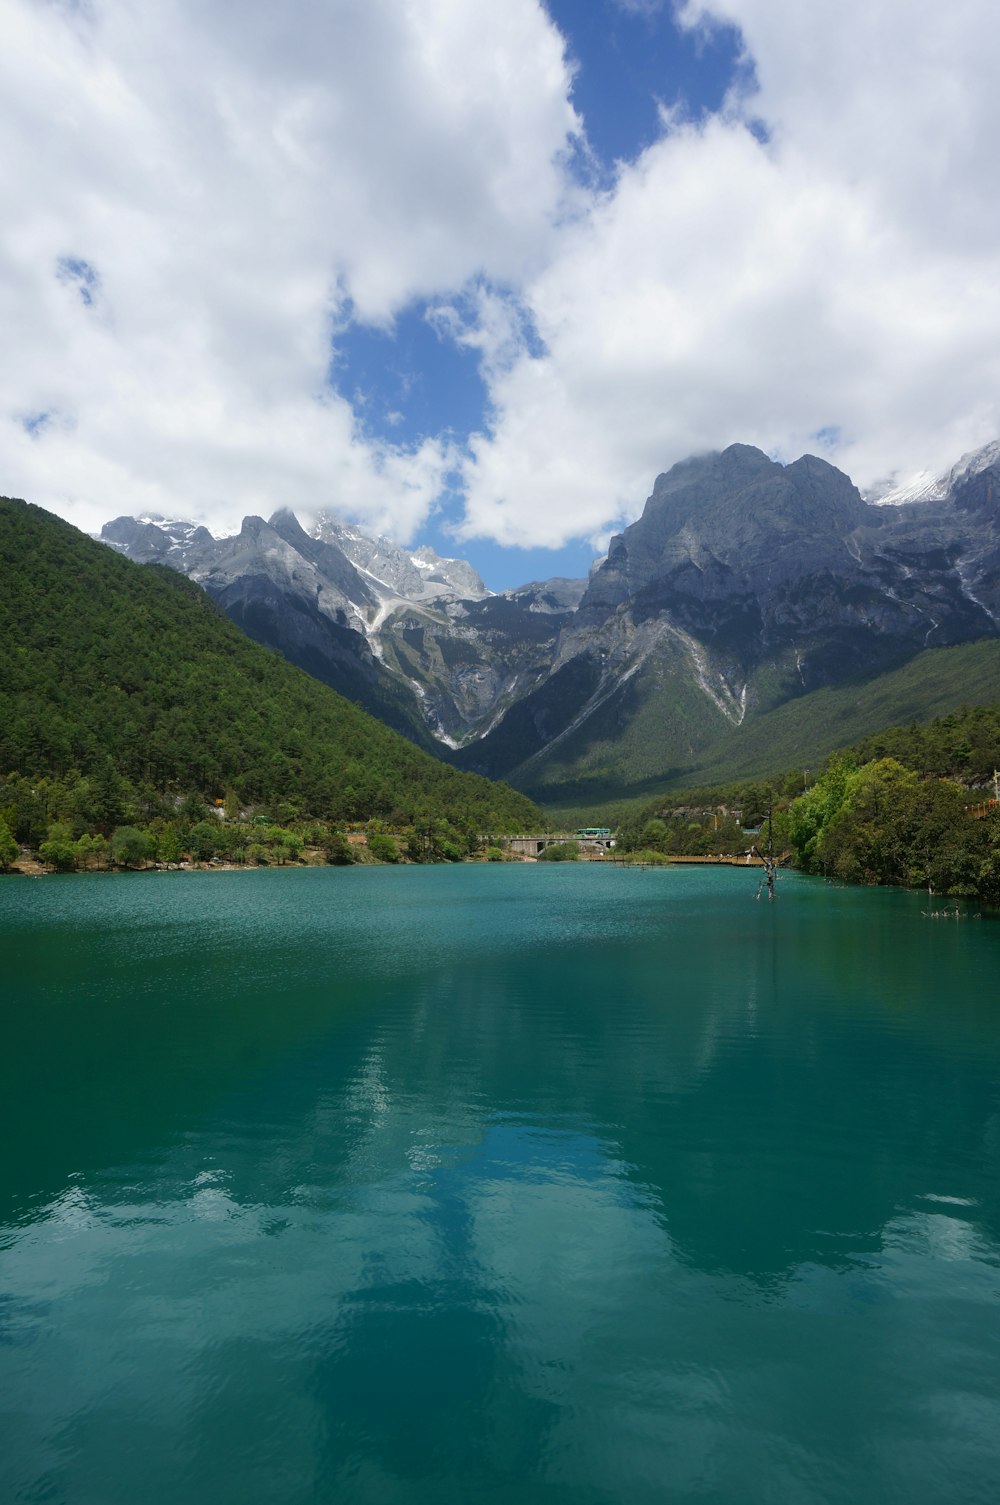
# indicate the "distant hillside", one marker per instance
pixel 800 732
pixel 748 609
pixel 416 639
pixel 895 808
pixel 962 746
pixel 103 658
pixel 745 612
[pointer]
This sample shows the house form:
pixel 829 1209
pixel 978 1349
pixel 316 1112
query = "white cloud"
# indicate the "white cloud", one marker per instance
pixel 195 194
pixel 641 7
pixel 198 195
pixel 842 276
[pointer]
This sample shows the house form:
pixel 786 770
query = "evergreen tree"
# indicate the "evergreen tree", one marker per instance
pixel 130 690
pixel 8 847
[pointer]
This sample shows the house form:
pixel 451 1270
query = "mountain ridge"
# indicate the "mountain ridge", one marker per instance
pixel 743 585
pixel 103 661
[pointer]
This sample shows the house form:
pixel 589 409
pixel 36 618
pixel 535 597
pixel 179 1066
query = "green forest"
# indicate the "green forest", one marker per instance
pixel 910 806
pixel 128 700
pixel 137 723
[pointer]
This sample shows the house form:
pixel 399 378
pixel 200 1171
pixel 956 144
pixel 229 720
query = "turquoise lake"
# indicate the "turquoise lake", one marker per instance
pixel 496 1184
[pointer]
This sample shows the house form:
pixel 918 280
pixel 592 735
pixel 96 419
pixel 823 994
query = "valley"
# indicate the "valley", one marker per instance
pixel 754 614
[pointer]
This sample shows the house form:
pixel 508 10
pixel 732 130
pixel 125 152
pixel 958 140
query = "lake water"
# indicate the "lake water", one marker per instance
pixel 496 1184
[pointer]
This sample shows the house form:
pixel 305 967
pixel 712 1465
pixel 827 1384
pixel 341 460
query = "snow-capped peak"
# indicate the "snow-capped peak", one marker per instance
pixel 925 486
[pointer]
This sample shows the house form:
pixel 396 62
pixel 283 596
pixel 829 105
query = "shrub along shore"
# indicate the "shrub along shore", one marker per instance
pixel 100 825
pixel 912 807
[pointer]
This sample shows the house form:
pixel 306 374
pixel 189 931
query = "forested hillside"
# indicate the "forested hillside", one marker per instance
pixel 110 669
pixel 964 745
pixel 911 806
pixel 755 615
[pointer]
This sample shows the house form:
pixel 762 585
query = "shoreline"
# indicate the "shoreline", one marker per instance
pixel 30 867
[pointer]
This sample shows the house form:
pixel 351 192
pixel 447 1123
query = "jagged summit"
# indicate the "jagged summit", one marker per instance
pixel 155 539
pixel 927 486
pixel 420 575
pixel 743 585
pixel 737 510
pixel 380 570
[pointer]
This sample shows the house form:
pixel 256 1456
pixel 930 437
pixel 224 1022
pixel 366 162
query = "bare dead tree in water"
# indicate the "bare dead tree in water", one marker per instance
pixel 767 857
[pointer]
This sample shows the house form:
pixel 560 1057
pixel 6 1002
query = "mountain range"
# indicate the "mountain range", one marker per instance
pixel 749 597
pixel 127 679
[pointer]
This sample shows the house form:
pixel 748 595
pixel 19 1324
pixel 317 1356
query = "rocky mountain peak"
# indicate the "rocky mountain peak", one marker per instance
pixel 420 575
pixel 456 575
pixel 736 510
pixel 285 523
pixel 745 583
pixel 926 486
pixel 976 489
pixel 154 539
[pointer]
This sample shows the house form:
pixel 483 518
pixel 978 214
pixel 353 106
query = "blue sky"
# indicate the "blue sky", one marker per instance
pixel 409 382
pixel 474 274
pixel 630 61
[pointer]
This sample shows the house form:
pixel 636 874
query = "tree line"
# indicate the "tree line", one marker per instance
pixel 86 824
pixel 122 685
pixel 909 806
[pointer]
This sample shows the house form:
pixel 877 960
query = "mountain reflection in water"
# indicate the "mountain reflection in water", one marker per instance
pixel 497 1183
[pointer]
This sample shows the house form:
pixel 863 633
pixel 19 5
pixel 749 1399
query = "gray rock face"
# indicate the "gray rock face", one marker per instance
pixel 448 577
pixel 418 576
pixel 469 661
pixel 753 558
pixel 296 594
pixel 750 583
pixel 155 540
pixel 728 525
pixel 737 512
pixel 744 583
pixel 551 596
pixel 279 552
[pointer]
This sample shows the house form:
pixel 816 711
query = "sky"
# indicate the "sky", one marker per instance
pixel 474 274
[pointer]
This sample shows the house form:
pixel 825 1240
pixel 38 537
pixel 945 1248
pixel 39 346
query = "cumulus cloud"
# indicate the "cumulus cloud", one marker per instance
pixel 828 282
pixel 641 7
pixel 197 196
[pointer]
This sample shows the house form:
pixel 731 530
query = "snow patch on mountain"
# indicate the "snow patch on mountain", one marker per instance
pixel 925 486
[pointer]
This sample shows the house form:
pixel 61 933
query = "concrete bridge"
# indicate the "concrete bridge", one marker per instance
pixel 532 846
